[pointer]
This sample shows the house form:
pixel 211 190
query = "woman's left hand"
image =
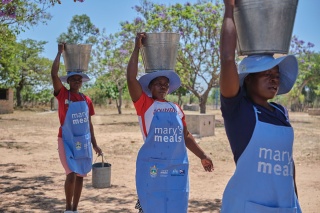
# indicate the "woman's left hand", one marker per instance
pixel 97 150
pixel 207 164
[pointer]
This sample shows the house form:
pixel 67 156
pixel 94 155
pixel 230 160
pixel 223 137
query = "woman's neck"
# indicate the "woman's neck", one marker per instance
pixel 74 91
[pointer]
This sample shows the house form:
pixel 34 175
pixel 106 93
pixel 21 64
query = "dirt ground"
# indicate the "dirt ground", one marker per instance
pixel 31 177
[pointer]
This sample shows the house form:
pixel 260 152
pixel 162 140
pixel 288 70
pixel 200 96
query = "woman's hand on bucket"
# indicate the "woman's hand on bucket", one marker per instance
pixel 61 47
pixel 98 150
pixel 138 41
pixel 230 2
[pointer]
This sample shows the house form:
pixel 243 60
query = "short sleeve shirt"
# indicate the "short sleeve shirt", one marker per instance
pixel 63 98
pixel 145 108
pixel 240 120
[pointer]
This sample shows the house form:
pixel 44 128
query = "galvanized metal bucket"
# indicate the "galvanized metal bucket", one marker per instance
pixel 76 57
pixel 264 26
pixel 101 174
pixel 159 51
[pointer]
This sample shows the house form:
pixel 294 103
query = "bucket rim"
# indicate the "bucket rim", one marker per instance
pixel 162 33
pixel 77 44
pixel 95 165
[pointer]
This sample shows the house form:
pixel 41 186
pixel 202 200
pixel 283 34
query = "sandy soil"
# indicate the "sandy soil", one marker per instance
pixel 31 177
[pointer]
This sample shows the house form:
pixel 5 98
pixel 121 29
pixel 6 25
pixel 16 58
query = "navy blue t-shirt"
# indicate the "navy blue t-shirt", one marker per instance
pixel 239 120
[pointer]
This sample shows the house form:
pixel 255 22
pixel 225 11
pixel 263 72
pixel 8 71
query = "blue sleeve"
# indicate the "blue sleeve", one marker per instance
pixel 239 122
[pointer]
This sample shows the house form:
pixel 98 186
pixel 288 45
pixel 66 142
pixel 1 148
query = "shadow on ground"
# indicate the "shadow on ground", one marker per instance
pixel 28 194
pixel 25 194
pixel 208 206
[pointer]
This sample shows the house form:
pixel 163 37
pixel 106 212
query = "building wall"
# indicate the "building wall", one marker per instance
pixel 201 125
pixel 6 101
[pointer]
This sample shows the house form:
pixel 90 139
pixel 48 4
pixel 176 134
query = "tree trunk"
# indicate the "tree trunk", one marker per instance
pixel 203 102
pixel 120 101
pixel 18 95
pixel 179 99
pixel 202 105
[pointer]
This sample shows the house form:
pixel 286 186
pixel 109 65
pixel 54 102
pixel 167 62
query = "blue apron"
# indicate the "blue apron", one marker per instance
pixel 77 138
pixel 162 167
pixel 263 179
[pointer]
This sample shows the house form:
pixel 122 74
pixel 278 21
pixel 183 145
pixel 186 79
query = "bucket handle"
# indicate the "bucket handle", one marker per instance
pixel 102 159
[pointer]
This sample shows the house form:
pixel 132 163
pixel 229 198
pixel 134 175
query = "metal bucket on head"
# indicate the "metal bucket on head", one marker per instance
pixel 101 174
pixel 159 51
pixel 76 57
pixel 264 26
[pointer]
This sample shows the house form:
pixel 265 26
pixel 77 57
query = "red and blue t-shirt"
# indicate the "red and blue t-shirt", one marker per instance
pixel 146 106
pixel 63 98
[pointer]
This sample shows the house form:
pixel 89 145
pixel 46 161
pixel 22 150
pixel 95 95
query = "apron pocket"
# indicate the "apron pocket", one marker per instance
pixel 251 207
pixel 81 146
pixel 178 173
pixel 167 174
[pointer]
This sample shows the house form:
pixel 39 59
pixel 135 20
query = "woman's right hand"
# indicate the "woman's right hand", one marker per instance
pixel 61 47
pixel 138 40
pixel 229 2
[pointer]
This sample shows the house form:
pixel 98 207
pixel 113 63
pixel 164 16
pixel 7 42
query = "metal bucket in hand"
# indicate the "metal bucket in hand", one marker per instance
pixel 264 26
pixel 159 51
pixel 76 57
pixel 101 174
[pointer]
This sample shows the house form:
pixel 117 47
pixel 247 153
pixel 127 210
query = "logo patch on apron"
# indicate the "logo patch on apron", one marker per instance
pixel 178 172
pixel 78 146
pixel 164 173
pixel 153 171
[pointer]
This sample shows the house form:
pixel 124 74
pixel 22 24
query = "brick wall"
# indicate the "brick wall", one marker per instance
pixel 6 101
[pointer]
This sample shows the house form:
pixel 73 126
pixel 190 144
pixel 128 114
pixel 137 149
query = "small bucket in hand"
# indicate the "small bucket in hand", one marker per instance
pixel 101 174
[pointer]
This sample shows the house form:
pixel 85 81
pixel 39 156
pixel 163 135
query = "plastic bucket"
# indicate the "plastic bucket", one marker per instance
pixel 101 175
pixel 159 51
pixel 76 57
pixel 264 26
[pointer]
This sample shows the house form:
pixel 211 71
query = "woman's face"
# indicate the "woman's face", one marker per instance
pixel 263 85
pixel 159 87
pixel 75 82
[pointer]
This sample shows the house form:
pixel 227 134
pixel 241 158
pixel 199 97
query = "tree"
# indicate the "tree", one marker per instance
pixel 31 69
pixel 309 69
pixel 23 14
pixel 199 26
pixel 112 59
pixel 17 16
pixel 7 57
pixel 80 31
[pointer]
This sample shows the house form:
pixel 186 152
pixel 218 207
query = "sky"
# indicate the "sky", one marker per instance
pixel 109 13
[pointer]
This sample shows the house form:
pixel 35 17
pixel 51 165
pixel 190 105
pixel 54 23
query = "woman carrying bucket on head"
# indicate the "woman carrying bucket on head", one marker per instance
pixel 162 180
pixel 76 131
pixel 259 131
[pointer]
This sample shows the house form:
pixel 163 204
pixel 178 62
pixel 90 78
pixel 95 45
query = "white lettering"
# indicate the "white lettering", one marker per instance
pixel 277 169
pixel 277 155
pixel 79 118
pixel 266 151
pixel 285 170
pixel 157 138
pixel 284 165
pixel 265 165
pixel 172 134
pixel 158 131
